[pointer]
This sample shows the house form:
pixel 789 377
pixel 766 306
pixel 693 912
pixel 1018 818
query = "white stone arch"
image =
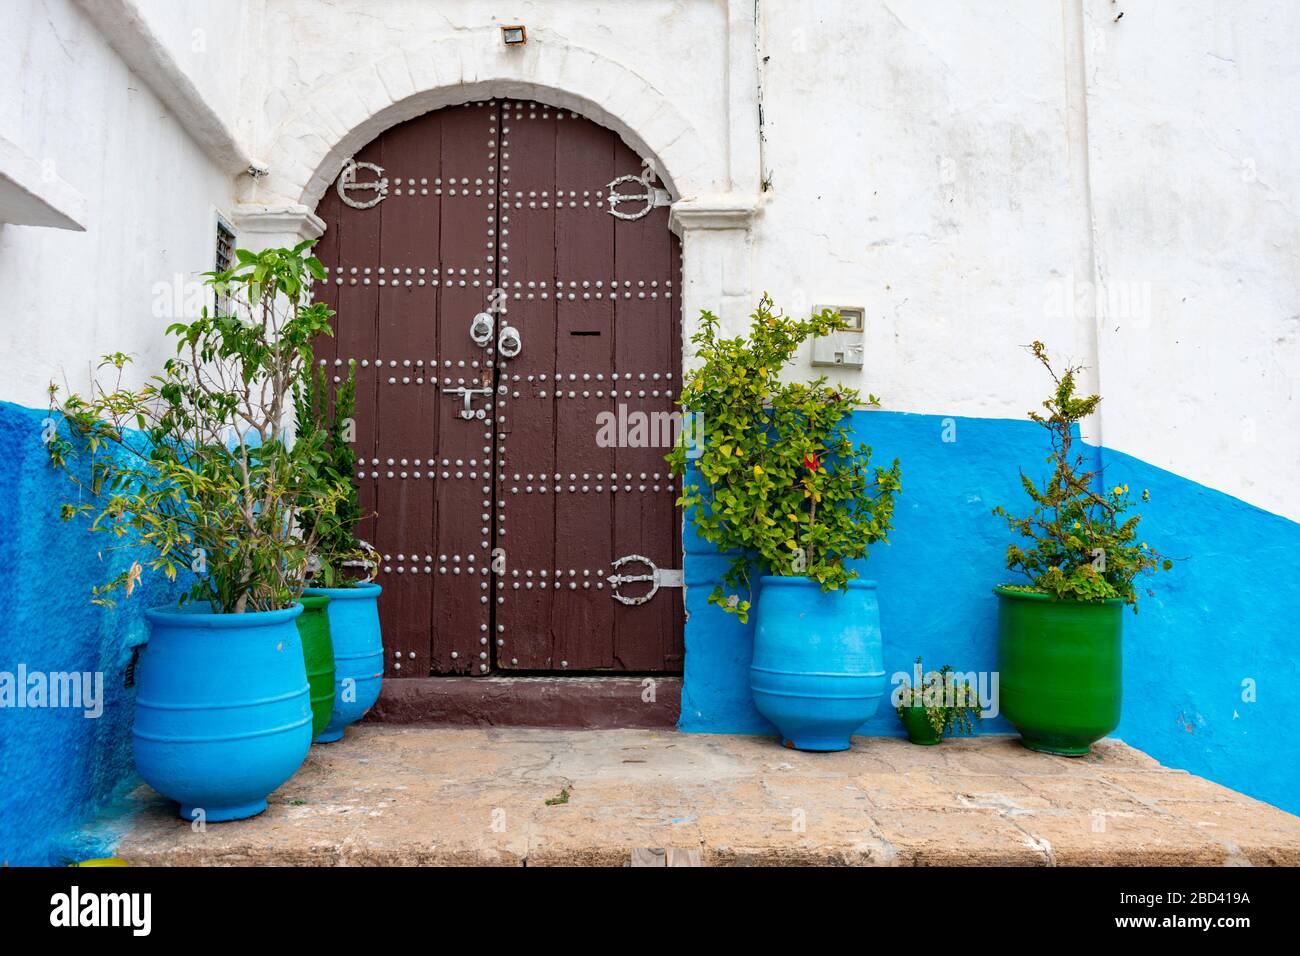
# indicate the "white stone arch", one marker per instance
pixel 710 175
pixel 337 118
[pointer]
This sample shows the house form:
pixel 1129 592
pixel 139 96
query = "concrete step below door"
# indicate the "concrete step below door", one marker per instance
pixel 590 703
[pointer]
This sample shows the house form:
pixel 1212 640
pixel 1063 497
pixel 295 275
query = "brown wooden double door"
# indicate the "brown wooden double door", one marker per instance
pixel 498 512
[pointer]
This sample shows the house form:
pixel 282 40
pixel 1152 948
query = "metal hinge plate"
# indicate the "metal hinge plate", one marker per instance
pixel 653 197
pixel 658 578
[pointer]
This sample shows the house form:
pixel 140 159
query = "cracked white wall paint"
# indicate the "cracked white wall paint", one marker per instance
pixel 968 172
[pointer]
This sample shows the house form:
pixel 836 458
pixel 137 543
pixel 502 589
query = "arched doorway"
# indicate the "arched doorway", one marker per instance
pixel 470 452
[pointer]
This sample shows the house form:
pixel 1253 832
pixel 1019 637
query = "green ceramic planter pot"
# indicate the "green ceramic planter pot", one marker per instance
pixel 1060 669
pixel 318 653
pixel 918 726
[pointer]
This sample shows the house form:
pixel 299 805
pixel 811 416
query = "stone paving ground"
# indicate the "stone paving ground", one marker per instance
pixel 405 795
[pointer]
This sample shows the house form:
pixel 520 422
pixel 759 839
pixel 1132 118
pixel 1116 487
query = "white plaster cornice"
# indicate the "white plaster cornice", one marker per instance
pixel 718 211
pixel 124 27
pixel 264 227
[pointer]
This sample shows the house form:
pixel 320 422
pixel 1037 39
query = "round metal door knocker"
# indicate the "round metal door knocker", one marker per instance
pixel 481 329
pixel 348 183
pixel 652 197
pixel 510 344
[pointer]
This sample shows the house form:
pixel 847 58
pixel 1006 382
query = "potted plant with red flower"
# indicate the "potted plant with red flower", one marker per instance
pixel 779 482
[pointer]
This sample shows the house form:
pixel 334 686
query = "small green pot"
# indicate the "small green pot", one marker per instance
pixel 318 653
pixel 918 726
pixel 1060 669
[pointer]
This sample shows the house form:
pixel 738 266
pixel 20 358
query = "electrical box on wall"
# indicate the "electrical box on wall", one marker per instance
pixel 846 346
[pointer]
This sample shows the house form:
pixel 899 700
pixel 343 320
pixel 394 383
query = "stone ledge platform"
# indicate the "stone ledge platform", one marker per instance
pixel 400 795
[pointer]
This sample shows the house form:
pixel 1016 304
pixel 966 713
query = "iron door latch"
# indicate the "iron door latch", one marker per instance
pixel 468 394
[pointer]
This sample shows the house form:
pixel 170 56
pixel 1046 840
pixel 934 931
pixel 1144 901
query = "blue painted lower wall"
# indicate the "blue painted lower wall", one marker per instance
pixel 56 764
pixel 1211 673
pixel 1220 618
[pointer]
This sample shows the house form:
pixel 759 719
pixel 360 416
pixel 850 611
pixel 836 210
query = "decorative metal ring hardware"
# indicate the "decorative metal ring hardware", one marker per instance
pixel 481 329
pixel 658 578
pixel 510 343
pixel 652 197
pixel 370 563
pixel 348 183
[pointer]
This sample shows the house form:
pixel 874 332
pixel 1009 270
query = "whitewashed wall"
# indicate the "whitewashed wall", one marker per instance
pixel 976 175
pixel 917 174
pixel 207 40
pixel 66 297
pixel 1194 156
pixel 1127 191
pixel 321 62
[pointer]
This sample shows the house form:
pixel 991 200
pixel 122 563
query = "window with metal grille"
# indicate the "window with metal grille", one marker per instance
pixel 225 258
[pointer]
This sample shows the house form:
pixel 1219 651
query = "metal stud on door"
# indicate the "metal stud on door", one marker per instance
pixel 496 308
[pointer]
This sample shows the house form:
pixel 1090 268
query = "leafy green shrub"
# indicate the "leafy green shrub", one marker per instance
pixel 196 466
pixel 951 706
pixel 783 486
pixel 1083 547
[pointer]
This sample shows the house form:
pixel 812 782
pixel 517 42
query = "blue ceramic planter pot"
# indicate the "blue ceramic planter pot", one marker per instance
pixel 818 672
pixel 358 654
pixel 223 709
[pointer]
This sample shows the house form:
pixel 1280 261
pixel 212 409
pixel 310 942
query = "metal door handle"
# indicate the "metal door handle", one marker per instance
pixel 510 344
pixel 468 394
pixel 481 328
